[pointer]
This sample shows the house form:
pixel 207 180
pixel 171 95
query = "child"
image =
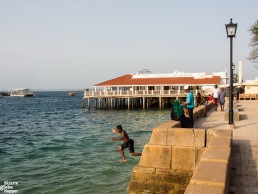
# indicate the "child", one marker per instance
pixel 127 142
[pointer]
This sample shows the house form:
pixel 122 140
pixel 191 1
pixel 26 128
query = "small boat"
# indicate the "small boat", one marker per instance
pixel 21 92
pixel 72 93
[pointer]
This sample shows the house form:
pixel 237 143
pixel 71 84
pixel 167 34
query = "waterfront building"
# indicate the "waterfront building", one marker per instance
pixel 144 89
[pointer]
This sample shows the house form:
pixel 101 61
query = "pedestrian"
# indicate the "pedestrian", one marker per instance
pixel 221 97
pixel 189 105
pixel 215 97
pixel 127 142
pixel 198 96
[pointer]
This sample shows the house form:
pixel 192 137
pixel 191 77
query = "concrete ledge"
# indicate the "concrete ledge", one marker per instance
pixel 159 136
pixel 211 133
pixel 215 154
pixel 178 137
pixel 212 173
pixel 204 189
pixel 170 124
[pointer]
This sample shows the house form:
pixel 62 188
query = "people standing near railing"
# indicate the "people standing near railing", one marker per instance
pixel 189 105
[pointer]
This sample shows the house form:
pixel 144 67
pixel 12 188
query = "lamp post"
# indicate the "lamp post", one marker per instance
pixel 231 33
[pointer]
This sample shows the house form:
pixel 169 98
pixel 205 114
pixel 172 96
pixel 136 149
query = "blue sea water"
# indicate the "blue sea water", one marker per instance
pixel 49 144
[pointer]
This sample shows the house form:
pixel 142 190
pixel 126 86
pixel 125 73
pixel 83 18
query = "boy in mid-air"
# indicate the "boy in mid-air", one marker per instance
pixel 127 142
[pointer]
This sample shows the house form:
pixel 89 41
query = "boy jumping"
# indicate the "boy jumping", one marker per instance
pixel 127 142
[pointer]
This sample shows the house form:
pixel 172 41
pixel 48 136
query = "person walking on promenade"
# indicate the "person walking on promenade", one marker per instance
pixel 215 97
pixel 127 142
pixel 189 105
pixel 221 97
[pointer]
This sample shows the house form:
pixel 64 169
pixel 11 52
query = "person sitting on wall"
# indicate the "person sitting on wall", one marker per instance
pixel 178 110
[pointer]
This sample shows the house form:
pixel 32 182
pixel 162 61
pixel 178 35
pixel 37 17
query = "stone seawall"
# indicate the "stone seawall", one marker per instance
pixel 170 161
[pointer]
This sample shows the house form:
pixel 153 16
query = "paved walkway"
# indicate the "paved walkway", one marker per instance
pixel 244 155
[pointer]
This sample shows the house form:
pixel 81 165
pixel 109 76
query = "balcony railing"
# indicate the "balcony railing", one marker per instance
pixel 135 93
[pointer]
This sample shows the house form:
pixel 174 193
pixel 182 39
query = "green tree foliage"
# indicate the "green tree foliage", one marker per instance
pixel 253 56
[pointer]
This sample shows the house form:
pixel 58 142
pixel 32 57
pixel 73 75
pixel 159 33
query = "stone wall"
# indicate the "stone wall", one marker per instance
pixel 175 158
pixel 212 173
pixel 168 161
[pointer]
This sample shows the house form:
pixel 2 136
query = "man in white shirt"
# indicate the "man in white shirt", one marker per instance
pixel 215 96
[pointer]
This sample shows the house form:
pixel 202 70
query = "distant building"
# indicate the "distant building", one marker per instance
pixel 145 80
pixel 145 89
pixel 251 86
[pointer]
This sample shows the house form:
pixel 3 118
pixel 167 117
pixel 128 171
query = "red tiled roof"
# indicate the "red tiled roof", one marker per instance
pixel 127 80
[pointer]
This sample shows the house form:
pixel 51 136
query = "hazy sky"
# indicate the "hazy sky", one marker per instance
pixel 71 44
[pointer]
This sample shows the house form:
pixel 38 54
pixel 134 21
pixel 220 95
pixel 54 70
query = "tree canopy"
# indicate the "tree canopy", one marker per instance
pixel 253 56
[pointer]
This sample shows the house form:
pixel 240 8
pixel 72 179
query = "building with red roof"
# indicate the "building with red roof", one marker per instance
pixel 145 84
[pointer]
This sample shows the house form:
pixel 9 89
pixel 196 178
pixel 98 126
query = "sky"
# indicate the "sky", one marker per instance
pixel 75 44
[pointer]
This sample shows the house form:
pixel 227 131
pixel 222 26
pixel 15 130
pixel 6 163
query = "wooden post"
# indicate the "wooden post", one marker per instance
pixel 143 102
pixel 83 103
pixel 99 102
pixel 128 102
pixel 88 103
pixel 159 102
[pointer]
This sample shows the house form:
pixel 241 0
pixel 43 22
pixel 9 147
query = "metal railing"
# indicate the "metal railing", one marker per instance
pixel 133 93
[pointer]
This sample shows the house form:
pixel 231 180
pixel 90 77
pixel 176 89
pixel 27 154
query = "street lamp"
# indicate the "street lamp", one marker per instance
pixel 231 33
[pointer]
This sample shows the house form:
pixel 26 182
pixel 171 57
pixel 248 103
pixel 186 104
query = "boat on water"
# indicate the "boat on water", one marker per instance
pixel 72 93
pixel 21 92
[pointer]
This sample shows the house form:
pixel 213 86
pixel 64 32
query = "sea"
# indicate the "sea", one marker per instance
pixel 50 145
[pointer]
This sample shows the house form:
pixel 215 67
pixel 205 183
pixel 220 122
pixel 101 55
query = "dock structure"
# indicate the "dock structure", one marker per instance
pixel 145 90
pixel 132 99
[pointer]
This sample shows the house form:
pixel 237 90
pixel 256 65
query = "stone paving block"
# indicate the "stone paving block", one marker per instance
pixel 220 154
pixel 199 154
pixel 180 137
pixel 204 189
pixel 142 173
pixel 212 173
pixel 210 133
pixel 164 187
pixel 179 177
pixel 183 158
pixel 159 136
pixel 141 187
pixel 156 156
pixel 199 137
pixel 220 142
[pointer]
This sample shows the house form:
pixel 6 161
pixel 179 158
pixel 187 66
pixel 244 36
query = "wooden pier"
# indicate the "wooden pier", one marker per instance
pixel 143 99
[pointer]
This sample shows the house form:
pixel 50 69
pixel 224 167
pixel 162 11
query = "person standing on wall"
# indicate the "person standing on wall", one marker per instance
pixel 190 105
pixel 215 96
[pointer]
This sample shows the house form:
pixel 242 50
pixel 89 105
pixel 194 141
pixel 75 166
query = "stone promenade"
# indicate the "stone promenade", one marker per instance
pixel 244 167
